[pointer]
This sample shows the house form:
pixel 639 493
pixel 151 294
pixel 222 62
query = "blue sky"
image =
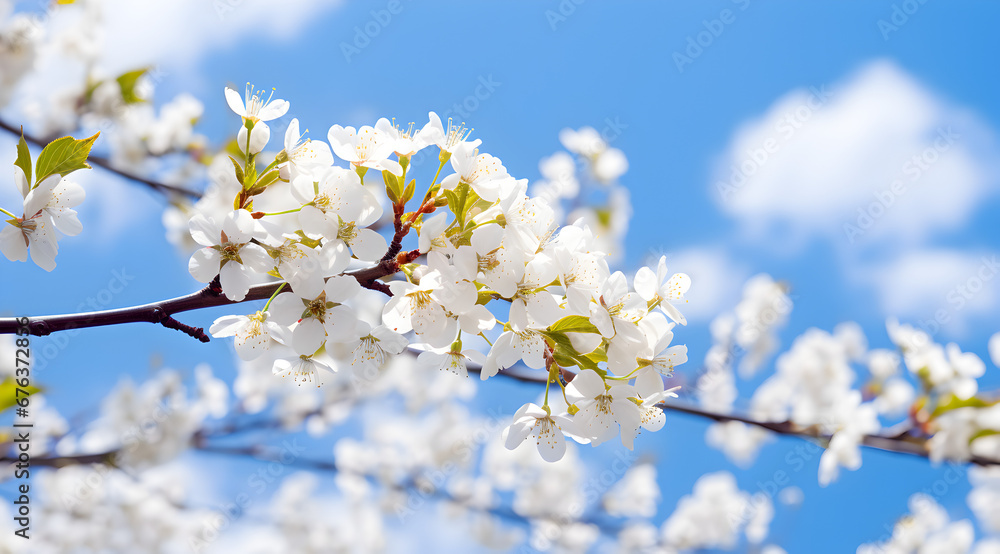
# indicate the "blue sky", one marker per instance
pixel 614 64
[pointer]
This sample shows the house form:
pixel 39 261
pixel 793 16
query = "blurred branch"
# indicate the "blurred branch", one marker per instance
pixel 257 452
pixel 107 165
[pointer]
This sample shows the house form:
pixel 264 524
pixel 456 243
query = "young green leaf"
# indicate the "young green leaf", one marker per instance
pixel 266 180
pixel 392 188
pixel 127 82
pixel 24 158
pixel 573 324
pixel 238 168
pixel 9 394
pixel 409 190
pixel 63 156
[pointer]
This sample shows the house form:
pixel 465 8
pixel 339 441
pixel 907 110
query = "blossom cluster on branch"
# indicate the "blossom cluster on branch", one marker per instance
pixel 481 241
pixel 401 258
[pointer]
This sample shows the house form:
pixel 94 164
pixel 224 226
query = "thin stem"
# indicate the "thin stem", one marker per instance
pixel 276 291
pixel 284 212
pixel 623 377
pixel 8 213
pixel 435 180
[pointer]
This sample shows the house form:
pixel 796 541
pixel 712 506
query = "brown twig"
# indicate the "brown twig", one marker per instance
pixel 161 312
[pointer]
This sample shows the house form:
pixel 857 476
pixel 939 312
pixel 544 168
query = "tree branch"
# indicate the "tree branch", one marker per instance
pixel 161 312
pixel 899 443
pixel 107 165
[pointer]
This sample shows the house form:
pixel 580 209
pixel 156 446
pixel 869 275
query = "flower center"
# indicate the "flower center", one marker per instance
pixel 369 350
pixel 318 307
pixel 604 403
pixel 303 371
pixel 230 251
pixel 489 262
pixel 455 134
pixel 255 102
pixel 347 232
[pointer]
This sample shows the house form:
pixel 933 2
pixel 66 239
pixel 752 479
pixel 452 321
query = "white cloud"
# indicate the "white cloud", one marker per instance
pixel 716 281
pixel 937 288
pixel 820 159
pixel 178 32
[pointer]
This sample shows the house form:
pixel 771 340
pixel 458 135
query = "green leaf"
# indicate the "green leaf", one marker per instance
pixel 9 394
pixel 452 198
pixel 127 82
pixel 484 297
pixel 392 188
pixel 565 354
pixel 238 168
pixel 573 324
pixel 604 217
pixel 63 156
pixel 266 180
pixel 409 190
pixel 461 201
pixel 598 355
pixel 233 149
pixel 251 173
pixel 24 158
pixel 983 433
pixel 562 358
pixel 952 402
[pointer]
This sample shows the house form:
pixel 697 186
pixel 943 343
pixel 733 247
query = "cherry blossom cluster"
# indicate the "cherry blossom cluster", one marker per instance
pixel 815 386
pixel 928 528
pixel 961 421
pixel 482 241
pixel 102 509
pixel 590 169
